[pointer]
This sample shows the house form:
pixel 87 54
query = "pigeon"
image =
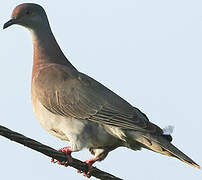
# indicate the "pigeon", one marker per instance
pixel 76 108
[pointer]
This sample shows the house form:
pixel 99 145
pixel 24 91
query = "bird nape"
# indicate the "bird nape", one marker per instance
pixel 76 108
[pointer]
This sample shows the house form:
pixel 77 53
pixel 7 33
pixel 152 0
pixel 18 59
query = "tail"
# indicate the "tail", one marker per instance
pixel 162 145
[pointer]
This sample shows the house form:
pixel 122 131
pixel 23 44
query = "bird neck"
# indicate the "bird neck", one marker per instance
pixel 46 49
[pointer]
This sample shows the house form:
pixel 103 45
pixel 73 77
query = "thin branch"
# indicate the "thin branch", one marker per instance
pixel 48 151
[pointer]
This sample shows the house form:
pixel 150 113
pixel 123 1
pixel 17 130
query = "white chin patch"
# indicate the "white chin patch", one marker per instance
pixel 168 130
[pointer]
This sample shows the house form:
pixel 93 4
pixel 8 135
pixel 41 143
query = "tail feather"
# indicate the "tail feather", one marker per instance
pixel 161 145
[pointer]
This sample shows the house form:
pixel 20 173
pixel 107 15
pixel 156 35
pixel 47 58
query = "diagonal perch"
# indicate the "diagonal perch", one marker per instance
pixel 48 151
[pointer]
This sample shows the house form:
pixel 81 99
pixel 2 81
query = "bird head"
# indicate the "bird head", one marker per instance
pixel 28 15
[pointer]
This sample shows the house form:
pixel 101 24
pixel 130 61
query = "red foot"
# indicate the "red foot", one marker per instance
pixel 67 150
pixel 90 163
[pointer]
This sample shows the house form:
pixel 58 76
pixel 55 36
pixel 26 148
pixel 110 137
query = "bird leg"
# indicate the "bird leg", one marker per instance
pixel 67 150
pixel 90 163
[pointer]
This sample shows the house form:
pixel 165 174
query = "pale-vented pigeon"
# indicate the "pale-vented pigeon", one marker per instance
pixel 76 108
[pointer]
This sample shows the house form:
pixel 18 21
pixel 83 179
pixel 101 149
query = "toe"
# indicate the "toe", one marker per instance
pixel 78 171
pixel 52 160
pixel 88 175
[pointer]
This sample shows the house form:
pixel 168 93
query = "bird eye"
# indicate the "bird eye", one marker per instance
pixel 28 12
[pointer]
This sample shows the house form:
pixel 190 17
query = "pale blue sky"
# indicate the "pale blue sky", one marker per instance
pixel 148 52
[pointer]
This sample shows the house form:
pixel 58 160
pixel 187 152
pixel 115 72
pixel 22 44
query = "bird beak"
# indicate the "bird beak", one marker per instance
pixel 9 23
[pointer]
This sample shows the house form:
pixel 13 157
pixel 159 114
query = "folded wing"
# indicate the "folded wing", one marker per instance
pixel 71 93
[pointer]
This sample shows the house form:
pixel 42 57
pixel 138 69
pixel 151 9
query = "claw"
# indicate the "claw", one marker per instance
pixel 90 163
pixel 67 150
